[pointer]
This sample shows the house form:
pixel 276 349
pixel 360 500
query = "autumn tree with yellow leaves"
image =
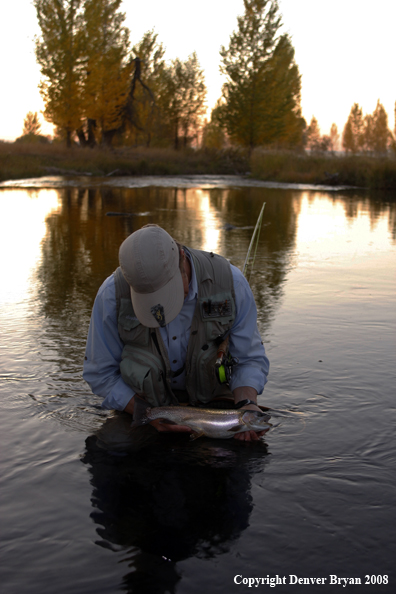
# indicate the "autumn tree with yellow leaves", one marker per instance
pixel 83 52
pixel 60 54
pixel 107 67
pixel 95 87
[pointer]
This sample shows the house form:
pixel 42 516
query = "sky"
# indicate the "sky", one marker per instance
pixel 344 50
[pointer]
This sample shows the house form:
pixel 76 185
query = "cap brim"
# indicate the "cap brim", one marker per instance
pixel 162 305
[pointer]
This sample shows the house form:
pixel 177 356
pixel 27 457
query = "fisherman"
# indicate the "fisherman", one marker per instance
pixel 157 324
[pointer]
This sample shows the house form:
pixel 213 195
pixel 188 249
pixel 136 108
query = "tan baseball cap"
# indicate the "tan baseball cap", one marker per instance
pixel 149 260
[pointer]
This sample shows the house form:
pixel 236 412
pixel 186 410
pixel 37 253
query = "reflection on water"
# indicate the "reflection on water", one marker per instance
pixel 171 501
pixel 176 517
pixel 22 227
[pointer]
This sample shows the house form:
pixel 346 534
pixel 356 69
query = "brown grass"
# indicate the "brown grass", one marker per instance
pixel 364 171
pixel 24 160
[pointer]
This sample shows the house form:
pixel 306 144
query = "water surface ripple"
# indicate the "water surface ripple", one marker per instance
pixel 85 509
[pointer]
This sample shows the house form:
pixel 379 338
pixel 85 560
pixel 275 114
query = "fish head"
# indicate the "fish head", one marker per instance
pixel 256 420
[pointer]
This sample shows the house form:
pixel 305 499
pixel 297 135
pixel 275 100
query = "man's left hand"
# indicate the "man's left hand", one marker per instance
pixel 250 435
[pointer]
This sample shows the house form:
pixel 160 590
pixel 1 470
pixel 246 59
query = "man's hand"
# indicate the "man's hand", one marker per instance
pixel 250 435
pixel 248 393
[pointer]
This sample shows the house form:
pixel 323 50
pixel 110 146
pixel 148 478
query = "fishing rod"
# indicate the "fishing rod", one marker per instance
pixel 253 242
pixel 224 362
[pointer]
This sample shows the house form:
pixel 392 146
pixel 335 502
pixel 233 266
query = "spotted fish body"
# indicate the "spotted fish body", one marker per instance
pixel 218 424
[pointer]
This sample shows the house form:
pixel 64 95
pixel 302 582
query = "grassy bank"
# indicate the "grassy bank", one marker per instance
pixel 351 170
pixel 21 161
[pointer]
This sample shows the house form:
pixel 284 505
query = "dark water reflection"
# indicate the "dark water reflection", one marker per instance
pixel 172 501
pixel 315 498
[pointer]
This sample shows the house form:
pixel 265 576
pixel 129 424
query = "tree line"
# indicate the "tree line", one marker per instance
pixel 98 88
pixel 361 134
pixel 369 133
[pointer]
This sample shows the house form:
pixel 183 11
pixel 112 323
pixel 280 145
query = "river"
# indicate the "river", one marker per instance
pixel 314 499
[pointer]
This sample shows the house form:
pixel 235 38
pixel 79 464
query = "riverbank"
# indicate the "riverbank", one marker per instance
pixel 22 161
pixel 363 171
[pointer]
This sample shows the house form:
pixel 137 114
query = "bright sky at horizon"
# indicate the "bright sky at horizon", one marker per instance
pixel 344 50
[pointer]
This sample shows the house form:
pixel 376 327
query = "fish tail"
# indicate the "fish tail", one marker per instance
pixel 141 411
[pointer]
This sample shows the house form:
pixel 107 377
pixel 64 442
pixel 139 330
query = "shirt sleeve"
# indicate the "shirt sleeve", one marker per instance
pixel 245 340
pixel 103 351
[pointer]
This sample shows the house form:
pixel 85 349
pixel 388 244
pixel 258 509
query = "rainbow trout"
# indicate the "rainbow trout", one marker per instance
pixel 218 424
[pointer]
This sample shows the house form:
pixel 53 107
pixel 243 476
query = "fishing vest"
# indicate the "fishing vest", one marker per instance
pixel 145 363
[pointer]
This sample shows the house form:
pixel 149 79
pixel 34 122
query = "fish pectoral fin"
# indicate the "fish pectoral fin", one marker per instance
pixel 195 434
pixel 237 428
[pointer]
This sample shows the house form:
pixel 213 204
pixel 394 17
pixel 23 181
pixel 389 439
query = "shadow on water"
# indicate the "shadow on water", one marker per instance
pixel 168 500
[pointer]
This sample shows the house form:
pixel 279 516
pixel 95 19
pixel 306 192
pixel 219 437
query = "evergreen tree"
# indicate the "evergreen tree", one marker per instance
pixel 262 91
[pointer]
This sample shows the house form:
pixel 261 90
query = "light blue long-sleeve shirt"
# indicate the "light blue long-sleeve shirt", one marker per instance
pixel 104 346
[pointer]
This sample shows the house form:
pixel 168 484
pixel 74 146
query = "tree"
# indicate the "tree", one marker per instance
pixel 59 52
pixel 183 102
pixel 213 135
pixel 83 54
pixel 394 130
pixel 334 138
pixel 261 96
pixel 353 134
pixel 31 124
pixel 377 134
pixel 107 68
pixel 312 135
pixel 145 123
pixel 370 133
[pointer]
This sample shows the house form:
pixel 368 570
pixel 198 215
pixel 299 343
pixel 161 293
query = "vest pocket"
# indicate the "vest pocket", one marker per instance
pixel 208 385
pixel 129 327
pixel 144 372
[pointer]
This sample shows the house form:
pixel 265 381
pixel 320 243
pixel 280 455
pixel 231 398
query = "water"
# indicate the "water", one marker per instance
pixel 315 498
